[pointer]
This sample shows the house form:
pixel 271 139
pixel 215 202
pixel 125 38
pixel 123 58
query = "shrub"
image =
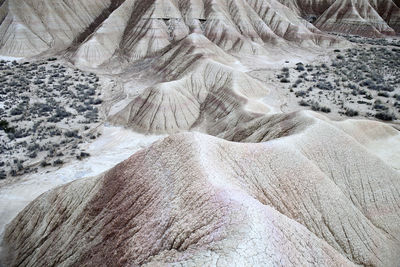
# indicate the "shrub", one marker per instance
pixel 4 125
pixel 20 166
pixel 285 80
pixel 303 103
pixel 300 93
pixel 352 86
pixel 58 162
pixel 91 115
pixel 71 134
pixel 379 106
pixel 82 155
pixel 60 114
pixel 11 136
pixel 80 108
pixel 325 109
pixel 16 111
pixel 387 88
pixel 364 68
pixel 384 116
pixel 315 106
pixel 325 86
pixel 368 83
pixel 44 164
pixel 90 92
pixel 38 82
pixel 300 67
pixel 33 147
pixel 383 94
pixel 97 101
pixel 351 112
pixel 368 96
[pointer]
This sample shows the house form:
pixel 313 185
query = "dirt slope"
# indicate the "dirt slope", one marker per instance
pixel 318 195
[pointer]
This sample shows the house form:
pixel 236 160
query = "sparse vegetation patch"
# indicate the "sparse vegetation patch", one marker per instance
pixel 362 81
pixel 46 109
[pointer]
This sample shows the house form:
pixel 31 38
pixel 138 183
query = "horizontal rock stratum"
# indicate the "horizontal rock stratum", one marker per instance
pixel 318 195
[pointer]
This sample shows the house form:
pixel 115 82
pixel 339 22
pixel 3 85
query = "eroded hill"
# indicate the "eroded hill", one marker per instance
pixel 239 180
pixel 321 194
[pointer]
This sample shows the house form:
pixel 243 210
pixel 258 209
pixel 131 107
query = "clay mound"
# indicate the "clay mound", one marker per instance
pixel 318 196
pixel 202 86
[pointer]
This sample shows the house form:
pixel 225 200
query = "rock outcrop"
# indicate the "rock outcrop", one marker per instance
pixel 317 195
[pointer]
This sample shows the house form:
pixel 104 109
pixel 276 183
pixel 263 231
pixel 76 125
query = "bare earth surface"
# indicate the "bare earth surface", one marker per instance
pixel 199 133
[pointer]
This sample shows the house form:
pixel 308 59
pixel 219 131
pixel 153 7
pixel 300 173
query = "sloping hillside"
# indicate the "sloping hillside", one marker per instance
pixel 144 28
pixel 319 196
pixel 371 18
pixel 245 173
pixel 31 27
pixel 354 17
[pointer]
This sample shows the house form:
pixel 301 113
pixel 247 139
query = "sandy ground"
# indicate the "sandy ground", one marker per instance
pixel 115 145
